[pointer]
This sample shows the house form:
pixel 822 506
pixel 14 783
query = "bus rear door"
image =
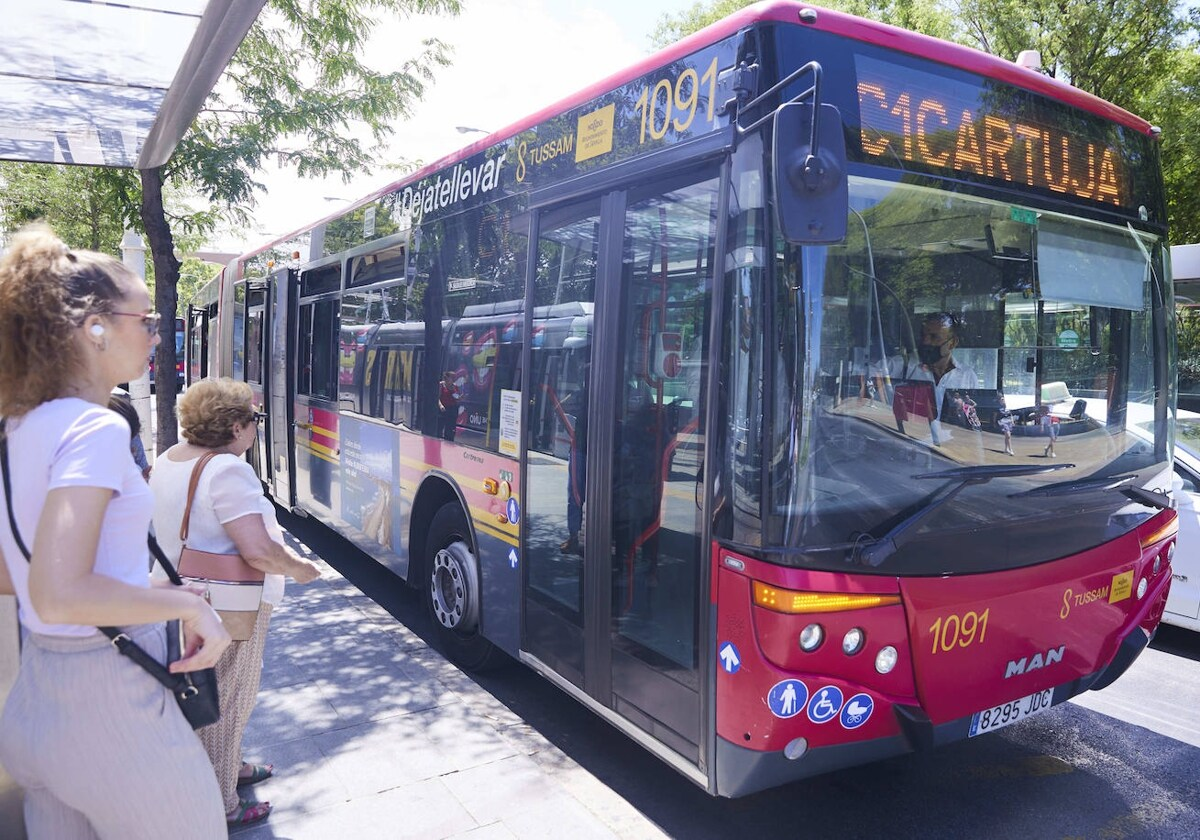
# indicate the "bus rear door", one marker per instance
pixel 279 384
pixel 257 356
pixel 316 447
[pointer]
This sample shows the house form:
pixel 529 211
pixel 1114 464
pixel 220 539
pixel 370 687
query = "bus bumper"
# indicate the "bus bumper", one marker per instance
pixel 740 771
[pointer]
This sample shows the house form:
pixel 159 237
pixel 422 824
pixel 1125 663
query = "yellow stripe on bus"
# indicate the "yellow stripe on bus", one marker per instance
pixel 320 449
pixel 316 449
pixel 488 528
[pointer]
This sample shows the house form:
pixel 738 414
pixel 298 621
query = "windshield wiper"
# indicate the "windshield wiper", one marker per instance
pixel 1107 482
pixel 1149 498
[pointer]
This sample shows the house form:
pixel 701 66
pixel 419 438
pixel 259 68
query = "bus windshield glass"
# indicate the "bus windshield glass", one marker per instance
pixel 965 366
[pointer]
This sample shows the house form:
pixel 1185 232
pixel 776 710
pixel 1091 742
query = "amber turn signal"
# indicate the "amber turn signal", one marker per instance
pixel 791 601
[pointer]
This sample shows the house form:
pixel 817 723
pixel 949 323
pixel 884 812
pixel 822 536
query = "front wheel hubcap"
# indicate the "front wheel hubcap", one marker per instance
pixel 453 588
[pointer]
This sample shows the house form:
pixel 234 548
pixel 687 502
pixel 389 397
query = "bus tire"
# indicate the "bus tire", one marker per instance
pixel 452 592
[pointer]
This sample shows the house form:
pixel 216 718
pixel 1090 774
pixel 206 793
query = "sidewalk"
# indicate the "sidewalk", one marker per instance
pixel 375 736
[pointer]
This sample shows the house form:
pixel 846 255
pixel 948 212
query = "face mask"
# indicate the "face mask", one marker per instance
pixel 929 353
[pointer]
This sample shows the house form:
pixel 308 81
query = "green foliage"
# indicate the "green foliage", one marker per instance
pixel 76 201
pixel 1174 105
pixel 1187 334
pixel 1115 50
pixel 193 274
pixel 297 92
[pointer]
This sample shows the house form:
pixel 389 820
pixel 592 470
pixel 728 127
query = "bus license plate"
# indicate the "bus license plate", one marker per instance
pixel 997 717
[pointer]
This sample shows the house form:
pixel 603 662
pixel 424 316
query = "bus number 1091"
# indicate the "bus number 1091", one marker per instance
pixel 683 96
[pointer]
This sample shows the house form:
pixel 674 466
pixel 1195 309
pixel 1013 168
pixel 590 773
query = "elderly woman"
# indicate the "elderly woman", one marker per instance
pixel 100 748
pixel 229 515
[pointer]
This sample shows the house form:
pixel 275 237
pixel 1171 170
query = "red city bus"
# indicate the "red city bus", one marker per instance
pixel 788 385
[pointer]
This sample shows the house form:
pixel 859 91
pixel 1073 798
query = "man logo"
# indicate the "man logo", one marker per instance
pixel 1040 660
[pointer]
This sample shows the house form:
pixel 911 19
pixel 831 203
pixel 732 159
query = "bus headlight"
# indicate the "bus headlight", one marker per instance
pixel 1141 590
pixel 811 637
pixel 886 659
pixel 852 642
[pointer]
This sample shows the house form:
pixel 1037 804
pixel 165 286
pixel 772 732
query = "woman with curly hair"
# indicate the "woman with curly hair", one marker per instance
pixel 229 515
pixel 100 748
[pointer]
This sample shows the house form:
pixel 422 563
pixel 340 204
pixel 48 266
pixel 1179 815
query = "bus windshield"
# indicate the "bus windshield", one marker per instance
pixel 971 367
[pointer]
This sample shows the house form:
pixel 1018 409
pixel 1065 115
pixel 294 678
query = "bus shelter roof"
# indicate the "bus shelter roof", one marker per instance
pixel 107 84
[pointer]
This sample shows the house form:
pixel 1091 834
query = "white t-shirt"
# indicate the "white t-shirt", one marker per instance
pixel 956 378
pixel 228 490
pixel 75 443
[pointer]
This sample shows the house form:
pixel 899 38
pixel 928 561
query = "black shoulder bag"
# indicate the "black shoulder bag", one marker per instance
pixel 195 691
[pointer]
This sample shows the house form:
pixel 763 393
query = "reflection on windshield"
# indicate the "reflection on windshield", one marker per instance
pixel 949 335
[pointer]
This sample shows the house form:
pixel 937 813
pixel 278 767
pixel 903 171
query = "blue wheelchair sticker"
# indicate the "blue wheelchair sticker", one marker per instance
pixel 786 698
pixel 825 704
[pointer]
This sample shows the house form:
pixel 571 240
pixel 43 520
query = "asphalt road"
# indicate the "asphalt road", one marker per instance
pixel 1121 763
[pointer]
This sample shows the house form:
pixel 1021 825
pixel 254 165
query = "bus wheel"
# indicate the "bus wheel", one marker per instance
pixel 452 593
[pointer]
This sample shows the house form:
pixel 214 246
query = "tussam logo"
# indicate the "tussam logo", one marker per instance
pixel 1039 660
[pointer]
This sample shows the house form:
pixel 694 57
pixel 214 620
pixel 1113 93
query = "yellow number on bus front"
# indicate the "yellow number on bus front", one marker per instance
pixel 959 630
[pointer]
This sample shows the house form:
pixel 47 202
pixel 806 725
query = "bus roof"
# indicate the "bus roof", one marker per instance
pixel 839 23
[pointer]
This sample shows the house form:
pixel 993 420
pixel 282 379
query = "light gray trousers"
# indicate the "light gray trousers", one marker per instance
pixel 101 748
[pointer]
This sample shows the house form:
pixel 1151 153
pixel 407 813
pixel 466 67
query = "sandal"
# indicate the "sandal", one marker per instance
pixel 248 813
pixel 258 773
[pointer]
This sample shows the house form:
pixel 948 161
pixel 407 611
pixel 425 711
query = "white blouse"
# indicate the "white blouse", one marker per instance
pixel 228 490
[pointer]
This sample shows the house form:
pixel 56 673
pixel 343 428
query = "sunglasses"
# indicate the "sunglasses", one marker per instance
pixel 150 320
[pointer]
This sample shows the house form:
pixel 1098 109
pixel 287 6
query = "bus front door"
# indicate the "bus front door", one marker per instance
pixel 616 609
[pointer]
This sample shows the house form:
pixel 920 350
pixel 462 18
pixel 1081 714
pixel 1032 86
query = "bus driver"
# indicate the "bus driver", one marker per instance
pixel 935 362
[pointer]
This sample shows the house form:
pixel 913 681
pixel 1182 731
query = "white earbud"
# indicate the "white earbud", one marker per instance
pixel 97 330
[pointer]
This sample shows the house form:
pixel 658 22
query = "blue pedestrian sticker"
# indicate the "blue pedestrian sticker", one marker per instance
pixel 857 711
pixel 786 698
pixel 513 511
pixel 728 655
pixel 825 704
pixel 512 557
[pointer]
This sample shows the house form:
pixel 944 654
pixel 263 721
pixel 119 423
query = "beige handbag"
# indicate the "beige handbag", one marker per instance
pixel 234 587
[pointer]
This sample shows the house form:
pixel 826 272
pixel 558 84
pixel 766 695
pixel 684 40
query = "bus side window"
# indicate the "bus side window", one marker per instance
pixel 317 374
pixel 397 386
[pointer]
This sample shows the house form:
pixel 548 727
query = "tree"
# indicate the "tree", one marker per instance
pixel 77 201
pixel 294 92
pixel 1174 104
pixel 1115 49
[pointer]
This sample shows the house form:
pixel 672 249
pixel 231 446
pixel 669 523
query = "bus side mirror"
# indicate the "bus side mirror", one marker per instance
pixel 812 196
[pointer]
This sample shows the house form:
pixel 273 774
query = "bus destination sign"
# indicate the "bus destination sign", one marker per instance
pixel 1003 134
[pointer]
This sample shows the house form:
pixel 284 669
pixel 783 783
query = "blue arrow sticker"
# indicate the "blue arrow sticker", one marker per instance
pixel 513 511
pixel 512 557
pixel 825 704
pixel 857 711
pixel 786 698
pixel 727 655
